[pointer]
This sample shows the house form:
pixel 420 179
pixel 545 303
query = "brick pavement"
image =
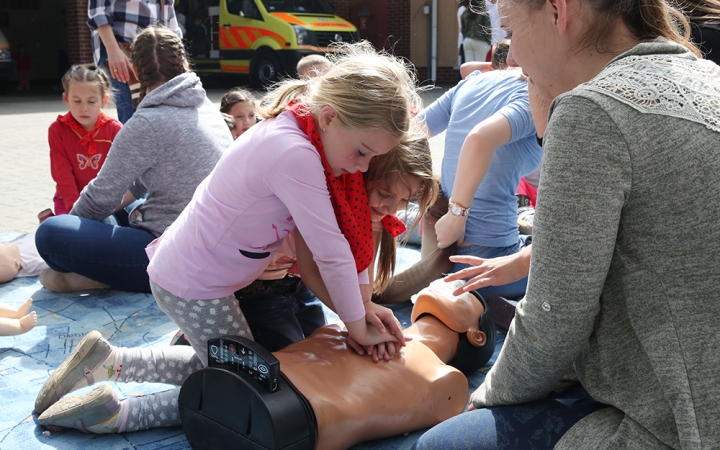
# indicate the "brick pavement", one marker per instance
pixel 26 187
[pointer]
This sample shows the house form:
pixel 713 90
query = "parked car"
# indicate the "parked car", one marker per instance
pixel 6 63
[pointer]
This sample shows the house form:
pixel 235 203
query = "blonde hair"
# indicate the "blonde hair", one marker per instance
pixel 233 97
pixel 367 88
pixel 87 74
pixel 411 158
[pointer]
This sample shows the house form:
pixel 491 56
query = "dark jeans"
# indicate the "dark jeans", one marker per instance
pixel 280 312
pixel 530 426
pixel 110 254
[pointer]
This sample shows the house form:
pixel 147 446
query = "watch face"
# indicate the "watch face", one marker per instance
pixel 455 209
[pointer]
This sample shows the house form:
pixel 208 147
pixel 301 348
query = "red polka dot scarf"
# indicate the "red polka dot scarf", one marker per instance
pixel 347 194
pixel 393 225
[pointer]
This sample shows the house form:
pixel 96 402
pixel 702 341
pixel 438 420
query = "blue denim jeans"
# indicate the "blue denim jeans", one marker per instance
pixel 121 93
pixel 110 254
pixel 529 426
pixel 512 291
pixel 280 312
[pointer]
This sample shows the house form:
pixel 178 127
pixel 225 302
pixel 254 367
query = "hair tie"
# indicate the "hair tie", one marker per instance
pixel 74 68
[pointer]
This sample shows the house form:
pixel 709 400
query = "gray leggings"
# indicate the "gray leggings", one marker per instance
pixel 200 320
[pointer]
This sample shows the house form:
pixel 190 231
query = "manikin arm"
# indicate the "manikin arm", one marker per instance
pixel 475 158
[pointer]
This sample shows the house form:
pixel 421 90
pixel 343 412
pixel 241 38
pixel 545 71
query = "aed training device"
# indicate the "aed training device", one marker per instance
pixel 243 401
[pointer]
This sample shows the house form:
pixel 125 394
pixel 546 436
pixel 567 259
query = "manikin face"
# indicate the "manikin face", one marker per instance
pixel 535 46
pixel 391 194
pixel 349 150
pixel 244 115
pixel 9 261
pixel 459 313
pixel 85 102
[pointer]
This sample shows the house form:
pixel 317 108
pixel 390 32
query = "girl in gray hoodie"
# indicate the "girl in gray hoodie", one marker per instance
pixel 170 145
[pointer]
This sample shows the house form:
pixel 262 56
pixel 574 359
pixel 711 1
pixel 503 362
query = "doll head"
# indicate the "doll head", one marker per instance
pixel 9 261
pixel 466 314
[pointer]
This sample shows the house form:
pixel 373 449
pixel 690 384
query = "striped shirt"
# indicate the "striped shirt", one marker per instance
pixel 127 18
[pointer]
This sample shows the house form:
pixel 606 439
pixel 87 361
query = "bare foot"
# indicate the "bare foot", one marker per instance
pixel 68 281
pixel 28 321
pixel 24 308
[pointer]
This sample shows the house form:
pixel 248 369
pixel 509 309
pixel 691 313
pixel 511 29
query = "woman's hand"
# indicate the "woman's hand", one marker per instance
pixel 118 62
pixel 491 272
pixel 450 229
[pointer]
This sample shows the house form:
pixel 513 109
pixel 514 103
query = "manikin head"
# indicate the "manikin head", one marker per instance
pixel 467 315
pixel 9 261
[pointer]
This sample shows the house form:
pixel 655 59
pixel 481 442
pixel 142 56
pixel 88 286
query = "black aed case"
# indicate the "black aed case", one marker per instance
pixel 243 401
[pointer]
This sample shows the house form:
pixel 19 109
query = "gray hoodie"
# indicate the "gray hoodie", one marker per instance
pixel 624 277
pixel 171 143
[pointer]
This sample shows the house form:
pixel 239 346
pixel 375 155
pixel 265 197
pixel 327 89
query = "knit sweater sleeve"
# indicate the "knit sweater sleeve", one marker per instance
pixel 585 180
pixel 134 150
pixel 61 168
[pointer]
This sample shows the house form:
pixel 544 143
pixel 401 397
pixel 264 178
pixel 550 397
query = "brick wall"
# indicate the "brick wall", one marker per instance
pixel 399 26
pixel 79 45
pixel 342 8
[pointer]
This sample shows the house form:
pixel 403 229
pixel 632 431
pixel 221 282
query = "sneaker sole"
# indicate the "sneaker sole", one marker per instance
pixel 58 383
pixel 68 411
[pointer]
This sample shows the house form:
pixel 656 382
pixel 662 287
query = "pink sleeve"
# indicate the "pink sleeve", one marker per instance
pixel 299 182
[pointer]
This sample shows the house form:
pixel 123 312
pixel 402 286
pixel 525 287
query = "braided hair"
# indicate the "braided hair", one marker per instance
pixel 159 56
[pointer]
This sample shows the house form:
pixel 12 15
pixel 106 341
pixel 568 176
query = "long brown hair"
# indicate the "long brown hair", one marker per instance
pixel 411 158
pixel 158 55
pixel 646 19
pixel 705 11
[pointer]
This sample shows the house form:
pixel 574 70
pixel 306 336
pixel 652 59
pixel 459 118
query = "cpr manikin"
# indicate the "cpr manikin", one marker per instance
pixel 354 399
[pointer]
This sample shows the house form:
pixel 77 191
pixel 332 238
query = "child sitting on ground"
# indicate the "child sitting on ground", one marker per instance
pixel 311 66
pixel 80 140
pixel 240 105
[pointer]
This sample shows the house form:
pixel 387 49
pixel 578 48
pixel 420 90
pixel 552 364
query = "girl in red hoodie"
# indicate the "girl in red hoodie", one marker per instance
pixel 80 140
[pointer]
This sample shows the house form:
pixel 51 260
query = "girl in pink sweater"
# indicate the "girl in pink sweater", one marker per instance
pixel 299 168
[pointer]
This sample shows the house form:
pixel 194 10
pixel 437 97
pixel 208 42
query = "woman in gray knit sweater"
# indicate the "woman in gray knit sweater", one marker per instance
pixel 624 283
pixel 171 143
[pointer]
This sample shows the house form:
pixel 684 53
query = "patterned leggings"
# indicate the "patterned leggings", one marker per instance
pixel 200 320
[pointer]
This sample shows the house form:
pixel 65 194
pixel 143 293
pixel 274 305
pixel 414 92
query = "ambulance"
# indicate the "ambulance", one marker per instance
pixel 265 39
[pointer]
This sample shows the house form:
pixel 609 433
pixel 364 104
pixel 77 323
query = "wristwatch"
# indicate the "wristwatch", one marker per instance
pixel 456 209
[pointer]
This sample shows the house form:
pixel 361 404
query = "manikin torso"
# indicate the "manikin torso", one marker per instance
pixel 355 399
